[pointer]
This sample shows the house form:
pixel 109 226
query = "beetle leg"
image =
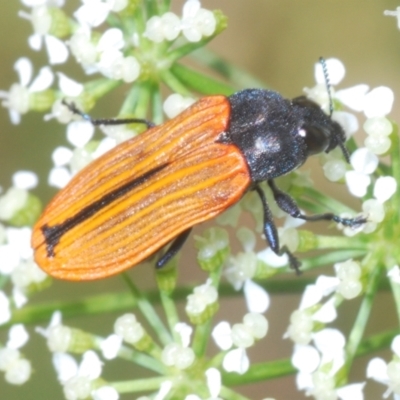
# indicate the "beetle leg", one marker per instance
pixel 106 121
pixel 271 233
pixel 287 204
pixel 174 248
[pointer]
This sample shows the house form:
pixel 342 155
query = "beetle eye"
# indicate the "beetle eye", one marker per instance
pixel 316 139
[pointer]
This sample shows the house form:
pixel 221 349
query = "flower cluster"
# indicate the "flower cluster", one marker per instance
pixel 137 45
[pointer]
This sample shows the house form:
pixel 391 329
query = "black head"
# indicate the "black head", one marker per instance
pixel 277 135
pixel 322 133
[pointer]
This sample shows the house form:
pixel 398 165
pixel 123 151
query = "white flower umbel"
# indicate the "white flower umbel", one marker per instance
pixel 17 99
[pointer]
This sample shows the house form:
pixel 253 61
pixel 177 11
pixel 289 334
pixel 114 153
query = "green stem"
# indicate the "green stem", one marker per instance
pixel 199 82
pixel 328 203
pixel 171 313
pixel 328 259
pixel 202 333
pixel 181 51
pixel 229 394
pixel 130 102
pixel 260 372
pixel 142 104
pixel 123 301
pixel 200 338
pixel 175 84
pixel 139 385
pixel 142 359
pixel 100 87
pixel 340 242
pixel 364 312
pixel 3 280
pixel 157 106
pixel 239 77
pixel 148 312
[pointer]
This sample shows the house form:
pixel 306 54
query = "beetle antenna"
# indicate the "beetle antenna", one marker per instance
pixel 328 88
pixel 327 83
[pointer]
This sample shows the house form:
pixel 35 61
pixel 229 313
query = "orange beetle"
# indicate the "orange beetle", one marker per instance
pixel 153 188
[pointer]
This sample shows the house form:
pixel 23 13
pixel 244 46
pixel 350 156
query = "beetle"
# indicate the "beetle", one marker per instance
pixel 152 189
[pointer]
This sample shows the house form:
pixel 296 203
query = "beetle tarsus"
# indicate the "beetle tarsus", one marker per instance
pixel 176 245
pixel 287 204
pixel 294 263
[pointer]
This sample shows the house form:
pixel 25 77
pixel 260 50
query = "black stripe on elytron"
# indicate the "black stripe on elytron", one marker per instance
pixel 52 234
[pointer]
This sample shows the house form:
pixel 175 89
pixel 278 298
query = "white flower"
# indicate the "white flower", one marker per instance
pixel 185 332
pixel 202 297
pixel 17 369
pixel 394 274
pixel 17 336
pixel 378 102
pixel 242 335
pixel 395 13
pixel 25 180
pixel 387 373
pixel 17 98
pixel 17 249
pixel 236 361
pixel 79 385
pixel 111 346
pixel 257 298
pixel 164 27
pixel 222 335
pixel 129 329
pixel 105 393
pixel 5 311
pixel 175 103
pixel 41 20
pixel 196 21
pixel 174 354
pixel 27 273
pixel 92 13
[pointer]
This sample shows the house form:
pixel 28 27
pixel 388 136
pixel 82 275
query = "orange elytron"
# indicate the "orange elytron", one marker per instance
pixel 150 190
pixel 142 194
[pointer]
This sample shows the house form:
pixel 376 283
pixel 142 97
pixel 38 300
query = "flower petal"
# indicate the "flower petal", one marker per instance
pixel 377 370
pixel 353 97
pixel 222 335
pixel 335 69
pixel 68 86
pixel 257 298
pixel 305 358
pixel 24 69
pixel 351 392
pixel 43 80
pixel 57 50
pixel 236 361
